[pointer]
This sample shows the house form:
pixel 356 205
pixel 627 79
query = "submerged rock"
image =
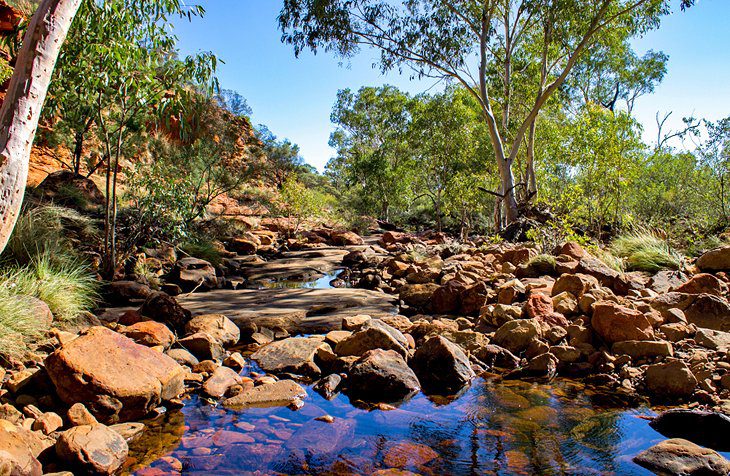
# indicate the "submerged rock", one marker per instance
pixel 280 393
pixel 116 378
pixel 441 366
pixel 683 458
pixel 96 449
pixel 382 376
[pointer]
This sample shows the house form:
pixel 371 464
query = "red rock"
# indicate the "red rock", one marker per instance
pixel 474 298
pixel 576 284
pixel 150 333
pixel 407 454
pixel 116 378
pixel 346 238
pixel 615 323
pixel 702 283
pixel 538 304
pixel 572 249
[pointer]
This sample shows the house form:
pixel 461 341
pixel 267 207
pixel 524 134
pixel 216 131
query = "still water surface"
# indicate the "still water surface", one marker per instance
pixel 494 427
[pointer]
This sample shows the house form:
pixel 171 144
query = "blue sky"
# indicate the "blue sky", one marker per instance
pixel 294 97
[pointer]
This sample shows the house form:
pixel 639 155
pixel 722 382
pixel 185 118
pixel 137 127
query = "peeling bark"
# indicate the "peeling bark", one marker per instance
pixel 24 100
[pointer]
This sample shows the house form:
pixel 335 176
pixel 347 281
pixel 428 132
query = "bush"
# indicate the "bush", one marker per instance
pixel 18 323
pixel 203 249
pixel 67 288
pixel 44 231
pixel 645 251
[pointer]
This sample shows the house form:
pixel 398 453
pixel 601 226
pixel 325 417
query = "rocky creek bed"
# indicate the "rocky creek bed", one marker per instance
pixel 397 356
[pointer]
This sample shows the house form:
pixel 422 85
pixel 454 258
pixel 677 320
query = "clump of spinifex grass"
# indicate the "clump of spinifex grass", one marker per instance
pixel 645 251
pixel 543 263
pixel 203 249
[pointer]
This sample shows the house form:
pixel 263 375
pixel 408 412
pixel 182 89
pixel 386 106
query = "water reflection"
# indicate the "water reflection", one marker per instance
pixel 325 282
pixel 496 427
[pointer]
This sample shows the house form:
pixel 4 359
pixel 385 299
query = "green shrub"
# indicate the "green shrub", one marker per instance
pixel 543 263
pixel 45 230
pixel 203 249
pixel 67 288
pixel 645 251
pixel 18 323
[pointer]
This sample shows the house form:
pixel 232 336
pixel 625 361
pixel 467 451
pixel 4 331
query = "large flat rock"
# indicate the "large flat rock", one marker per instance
pixel 299 311
pixel 297 265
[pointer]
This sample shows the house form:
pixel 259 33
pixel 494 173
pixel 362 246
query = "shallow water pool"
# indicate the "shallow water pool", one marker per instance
pixel 494 427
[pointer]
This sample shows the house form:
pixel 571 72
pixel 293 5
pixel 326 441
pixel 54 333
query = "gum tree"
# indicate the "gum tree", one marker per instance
pixel 475 43
pixel 21 109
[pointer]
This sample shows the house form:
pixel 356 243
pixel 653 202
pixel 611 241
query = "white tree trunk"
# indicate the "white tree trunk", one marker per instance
pixel 24 100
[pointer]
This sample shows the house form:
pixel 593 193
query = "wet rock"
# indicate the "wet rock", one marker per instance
pixel 383 376
pixel 164 308
pixel 295 355
pixel 516 335
pixel 616 323
pixel 683 458
pixel 203 346
pixel 638 349
pixel 18 451
pixel 116 378
pixel 441 366
pixel 704 428
pixel 544 364
pixel 715 260
pixel 79 415
pixel 374 334
pixel 217 326
pixel 496 356
pixel 93 448
pixel 408 454
pixel 218 384
pixel 150 333
pixel 671 379
pixel 194 273
pixel 328 386
pixel 129 431
pixel 279 393
pixel 182 357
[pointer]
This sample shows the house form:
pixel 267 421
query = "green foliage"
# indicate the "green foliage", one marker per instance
pixel 543 263
pixel 645 251
pixel 300 203
pixel 6 71
pixel 203 249
pixel 18 322
pixel 67 287
pixel 46 231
